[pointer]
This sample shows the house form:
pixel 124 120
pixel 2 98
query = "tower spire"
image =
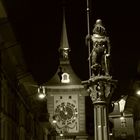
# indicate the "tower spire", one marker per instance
pixel 64 45
pixel 65 74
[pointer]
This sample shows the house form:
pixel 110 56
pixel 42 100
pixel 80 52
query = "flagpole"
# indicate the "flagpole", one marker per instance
pixel 88 36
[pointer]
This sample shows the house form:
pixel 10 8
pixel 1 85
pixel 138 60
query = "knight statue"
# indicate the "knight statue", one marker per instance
pixel 100 51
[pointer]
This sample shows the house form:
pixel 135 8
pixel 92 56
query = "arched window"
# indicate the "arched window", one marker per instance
pixel 65 78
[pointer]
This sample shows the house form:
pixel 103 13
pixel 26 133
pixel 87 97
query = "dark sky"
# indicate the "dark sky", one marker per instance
pixel 37 25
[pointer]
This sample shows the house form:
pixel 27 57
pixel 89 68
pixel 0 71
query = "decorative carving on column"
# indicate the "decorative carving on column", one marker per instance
pixel 101 88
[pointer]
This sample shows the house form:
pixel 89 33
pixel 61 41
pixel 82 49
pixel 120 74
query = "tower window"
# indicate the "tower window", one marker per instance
pixel 65 78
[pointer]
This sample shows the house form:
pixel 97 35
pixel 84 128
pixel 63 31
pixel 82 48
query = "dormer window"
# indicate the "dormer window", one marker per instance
pixel 65 78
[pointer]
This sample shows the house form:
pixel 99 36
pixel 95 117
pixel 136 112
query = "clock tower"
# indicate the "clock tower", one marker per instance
pixel 66 95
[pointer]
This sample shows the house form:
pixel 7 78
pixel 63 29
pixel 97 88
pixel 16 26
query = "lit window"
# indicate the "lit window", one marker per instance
pixel 122 105
pixel 65 78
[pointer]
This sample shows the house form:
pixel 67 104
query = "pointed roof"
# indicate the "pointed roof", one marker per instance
pixel 64 38
pixel 64 67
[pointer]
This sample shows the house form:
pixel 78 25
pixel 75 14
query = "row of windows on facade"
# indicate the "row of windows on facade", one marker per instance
pixel 16 121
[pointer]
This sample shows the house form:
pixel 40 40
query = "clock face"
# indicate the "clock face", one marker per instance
pixel 66 110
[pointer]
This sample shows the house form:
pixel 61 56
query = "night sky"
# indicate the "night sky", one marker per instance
pixel 37 26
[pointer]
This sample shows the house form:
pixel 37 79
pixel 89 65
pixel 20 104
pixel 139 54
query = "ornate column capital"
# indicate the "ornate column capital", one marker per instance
pixel 100 88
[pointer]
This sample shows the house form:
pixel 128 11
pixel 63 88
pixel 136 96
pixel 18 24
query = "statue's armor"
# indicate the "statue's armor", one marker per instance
pixel 100 51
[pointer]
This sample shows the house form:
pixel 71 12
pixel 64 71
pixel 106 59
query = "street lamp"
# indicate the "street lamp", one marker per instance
pixel 41 92
pixel 136 87
pixel 54 121
pixel 61 134
pixel 138 92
